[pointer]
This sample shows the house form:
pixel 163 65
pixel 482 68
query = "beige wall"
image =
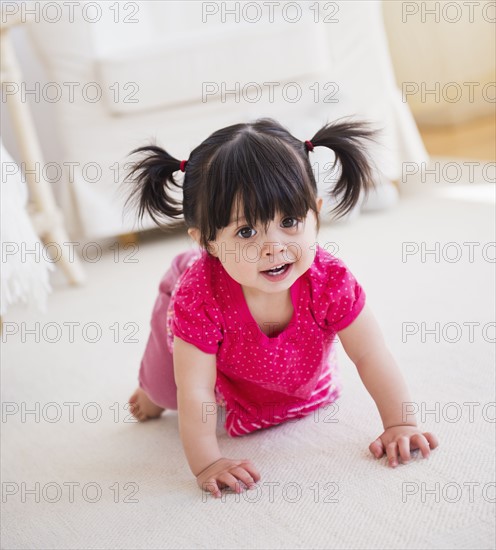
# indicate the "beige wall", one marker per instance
pixel 446 47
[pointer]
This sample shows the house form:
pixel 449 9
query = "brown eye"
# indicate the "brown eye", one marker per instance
pixel 244 232
pixel 288 223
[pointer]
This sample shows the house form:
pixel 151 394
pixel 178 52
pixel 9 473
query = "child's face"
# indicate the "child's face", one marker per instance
pixel 246 252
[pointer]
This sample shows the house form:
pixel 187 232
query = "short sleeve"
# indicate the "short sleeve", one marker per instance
pixel 346 297
pixel 197 322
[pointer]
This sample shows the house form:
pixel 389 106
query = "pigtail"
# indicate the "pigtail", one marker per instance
pixel 348 140
pixel 152 180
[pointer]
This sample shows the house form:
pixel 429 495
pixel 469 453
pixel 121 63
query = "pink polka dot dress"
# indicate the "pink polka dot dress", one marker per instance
pixel 264 381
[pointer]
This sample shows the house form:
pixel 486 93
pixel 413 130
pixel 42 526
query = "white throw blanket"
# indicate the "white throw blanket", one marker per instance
pixel 25 270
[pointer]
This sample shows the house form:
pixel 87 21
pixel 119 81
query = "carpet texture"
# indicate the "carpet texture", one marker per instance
pixel 84 475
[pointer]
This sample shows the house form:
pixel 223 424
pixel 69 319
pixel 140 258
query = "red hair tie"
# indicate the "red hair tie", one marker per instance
pixel 182 165
pixel 309 145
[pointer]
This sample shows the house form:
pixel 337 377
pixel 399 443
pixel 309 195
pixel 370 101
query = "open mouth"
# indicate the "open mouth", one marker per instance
pixel 278 270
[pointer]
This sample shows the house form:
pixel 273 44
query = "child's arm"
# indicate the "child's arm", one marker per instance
pixel 195 375
pixel 364 344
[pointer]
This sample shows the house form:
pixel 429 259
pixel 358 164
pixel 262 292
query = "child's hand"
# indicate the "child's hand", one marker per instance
pixel 402 439
pixel 227 472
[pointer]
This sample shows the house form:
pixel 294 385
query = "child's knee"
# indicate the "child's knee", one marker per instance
pixel 166 400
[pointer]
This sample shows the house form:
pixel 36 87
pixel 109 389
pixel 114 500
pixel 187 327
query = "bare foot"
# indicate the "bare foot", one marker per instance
pixel 142 407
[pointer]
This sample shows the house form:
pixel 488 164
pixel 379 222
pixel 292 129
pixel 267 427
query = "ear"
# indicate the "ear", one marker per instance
pixel 320 202
pixel 194 233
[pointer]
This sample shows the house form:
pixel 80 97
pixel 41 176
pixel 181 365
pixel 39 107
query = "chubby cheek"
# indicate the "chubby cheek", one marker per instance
pixel 305 254
pixel 304 263
pixel 240 271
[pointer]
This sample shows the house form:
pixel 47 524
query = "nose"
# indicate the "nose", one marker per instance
pixel 273 248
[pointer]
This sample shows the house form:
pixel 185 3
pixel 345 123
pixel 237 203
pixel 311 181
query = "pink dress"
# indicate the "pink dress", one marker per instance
pixel 261 380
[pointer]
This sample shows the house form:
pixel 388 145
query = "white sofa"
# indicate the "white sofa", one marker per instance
pixel 171 61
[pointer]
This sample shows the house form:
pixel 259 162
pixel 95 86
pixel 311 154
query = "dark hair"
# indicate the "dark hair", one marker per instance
pixel 260 164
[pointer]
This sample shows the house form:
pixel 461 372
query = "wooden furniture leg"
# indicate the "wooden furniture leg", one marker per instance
pixel 46 216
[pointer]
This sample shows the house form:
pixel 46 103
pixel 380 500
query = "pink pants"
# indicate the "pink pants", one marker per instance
pixel 156 374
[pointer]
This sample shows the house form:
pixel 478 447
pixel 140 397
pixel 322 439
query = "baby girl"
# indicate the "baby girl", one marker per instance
pixel 248 320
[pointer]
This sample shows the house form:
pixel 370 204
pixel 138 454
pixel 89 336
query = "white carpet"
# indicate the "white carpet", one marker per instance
pixel 320 487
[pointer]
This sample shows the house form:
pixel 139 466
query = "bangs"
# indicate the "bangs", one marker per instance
pixel 263 175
